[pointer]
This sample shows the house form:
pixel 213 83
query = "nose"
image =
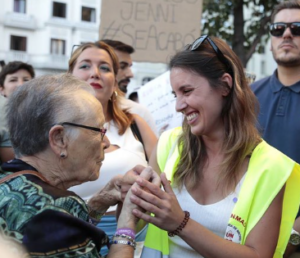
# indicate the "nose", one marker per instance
pixel 180 104
pixel 105 142
pixel 287 33
pixel 20 82
pixel 128 73
pixel 95 72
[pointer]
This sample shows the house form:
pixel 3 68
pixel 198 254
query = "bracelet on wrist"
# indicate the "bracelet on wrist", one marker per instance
pixel 124 236
pixel 126 231
pixel 124 242
pixel 181 226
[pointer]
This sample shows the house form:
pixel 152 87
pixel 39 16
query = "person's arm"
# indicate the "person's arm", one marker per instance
pixel 169 215
pixel 148 136
pixel 290 249
pixel 130 178
pixel 126 218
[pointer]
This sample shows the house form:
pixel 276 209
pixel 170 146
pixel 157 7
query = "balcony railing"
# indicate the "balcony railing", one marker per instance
pixel 51 61
pixel 20 20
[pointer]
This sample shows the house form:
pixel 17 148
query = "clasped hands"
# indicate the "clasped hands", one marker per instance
pixel 139 194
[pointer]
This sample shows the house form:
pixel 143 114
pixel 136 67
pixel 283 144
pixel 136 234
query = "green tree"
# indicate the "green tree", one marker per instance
pixel 244 24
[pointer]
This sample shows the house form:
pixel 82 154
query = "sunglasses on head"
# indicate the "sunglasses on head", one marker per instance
pixel 278 28
pixel 197 43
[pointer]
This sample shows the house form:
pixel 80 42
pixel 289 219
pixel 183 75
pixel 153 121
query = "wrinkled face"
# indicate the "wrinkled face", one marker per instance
pixel 124 73
pixel 86 151
pixel 286 49
pixel 95 66
pixel 14 80
pixel 199 102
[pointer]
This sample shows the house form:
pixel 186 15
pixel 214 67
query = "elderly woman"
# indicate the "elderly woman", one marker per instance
pixel 56 128
pixel 231 194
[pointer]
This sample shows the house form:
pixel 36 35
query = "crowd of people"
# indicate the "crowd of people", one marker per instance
pixel 85 174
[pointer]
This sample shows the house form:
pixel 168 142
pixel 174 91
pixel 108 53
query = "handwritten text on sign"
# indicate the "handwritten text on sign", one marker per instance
pixel 156 28
pixel 157 96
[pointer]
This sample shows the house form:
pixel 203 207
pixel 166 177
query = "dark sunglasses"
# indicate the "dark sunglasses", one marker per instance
pixel 197 43
pixel 101 130
pixel 277 29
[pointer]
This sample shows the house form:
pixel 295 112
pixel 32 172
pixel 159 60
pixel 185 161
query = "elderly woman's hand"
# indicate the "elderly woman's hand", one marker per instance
pixel 110 195
pixel 126 217
pixel 132 175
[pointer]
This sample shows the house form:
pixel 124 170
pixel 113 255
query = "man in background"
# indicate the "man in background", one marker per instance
pixel 279 94
pixel 123 52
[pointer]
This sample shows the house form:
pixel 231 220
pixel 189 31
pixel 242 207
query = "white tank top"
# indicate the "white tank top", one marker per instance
pixel 214 217
pixel 130 154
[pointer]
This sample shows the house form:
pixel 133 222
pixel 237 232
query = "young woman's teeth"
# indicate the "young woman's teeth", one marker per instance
pixel 191 116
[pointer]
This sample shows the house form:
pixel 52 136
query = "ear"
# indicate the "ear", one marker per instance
pixel 226 77
pixel 2 91
pixel 58 141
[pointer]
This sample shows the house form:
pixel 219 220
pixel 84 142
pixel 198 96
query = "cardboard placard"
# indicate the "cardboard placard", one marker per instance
pixel 157 96
pixel 155 28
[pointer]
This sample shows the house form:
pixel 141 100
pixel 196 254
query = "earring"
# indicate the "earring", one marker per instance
pixel 62 155
pixel 114 96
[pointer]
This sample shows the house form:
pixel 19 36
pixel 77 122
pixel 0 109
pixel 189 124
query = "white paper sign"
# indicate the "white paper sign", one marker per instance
pixel 157 96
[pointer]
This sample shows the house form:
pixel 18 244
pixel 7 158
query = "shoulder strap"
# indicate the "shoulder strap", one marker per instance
pixel 136 132
pixel 16 174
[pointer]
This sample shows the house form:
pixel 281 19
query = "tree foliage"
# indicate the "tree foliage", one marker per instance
pixel 243 24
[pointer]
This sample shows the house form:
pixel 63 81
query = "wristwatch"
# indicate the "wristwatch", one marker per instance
pixel 294 238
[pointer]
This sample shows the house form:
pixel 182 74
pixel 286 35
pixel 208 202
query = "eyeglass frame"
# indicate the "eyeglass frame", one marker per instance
pixel 197 43
pixel 286 25
pixel 100 130
pixel 74 47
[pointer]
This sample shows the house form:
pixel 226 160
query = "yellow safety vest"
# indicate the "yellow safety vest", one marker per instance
pixel 268 171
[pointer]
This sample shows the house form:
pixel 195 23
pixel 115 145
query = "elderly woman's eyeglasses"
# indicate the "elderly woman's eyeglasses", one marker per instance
pixel 197 43
pixel 101 130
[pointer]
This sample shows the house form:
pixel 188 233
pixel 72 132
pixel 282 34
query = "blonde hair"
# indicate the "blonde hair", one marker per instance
pixel 121 117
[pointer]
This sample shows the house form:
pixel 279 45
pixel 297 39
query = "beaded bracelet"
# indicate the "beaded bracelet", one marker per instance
pixel 124 236
pixel 126 231
pixel 181 226
pixel 124 242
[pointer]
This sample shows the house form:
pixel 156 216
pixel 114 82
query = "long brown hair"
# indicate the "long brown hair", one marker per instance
pixel 239 116
pixel 121 117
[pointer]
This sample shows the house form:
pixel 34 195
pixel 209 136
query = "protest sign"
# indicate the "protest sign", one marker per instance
pixel 157 96
pixel 156 28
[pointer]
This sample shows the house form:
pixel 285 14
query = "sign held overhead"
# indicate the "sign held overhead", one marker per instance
pixel 156 28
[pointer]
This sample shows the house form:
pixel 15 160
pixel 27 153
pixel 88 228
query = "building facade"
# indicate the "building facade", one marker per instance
pixel 43 33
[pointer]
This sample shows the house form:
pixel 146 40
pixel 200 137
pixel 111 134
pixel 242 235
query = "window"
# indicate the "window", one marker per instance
pixel 58 47
pixel 59 10
pixel 18 43
pixel 88 14
pixel 20 6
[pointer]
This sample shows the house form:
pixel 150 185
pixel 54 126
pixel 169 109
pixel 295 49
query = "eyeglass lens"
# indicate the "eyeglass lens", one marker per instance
pixel 277 29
